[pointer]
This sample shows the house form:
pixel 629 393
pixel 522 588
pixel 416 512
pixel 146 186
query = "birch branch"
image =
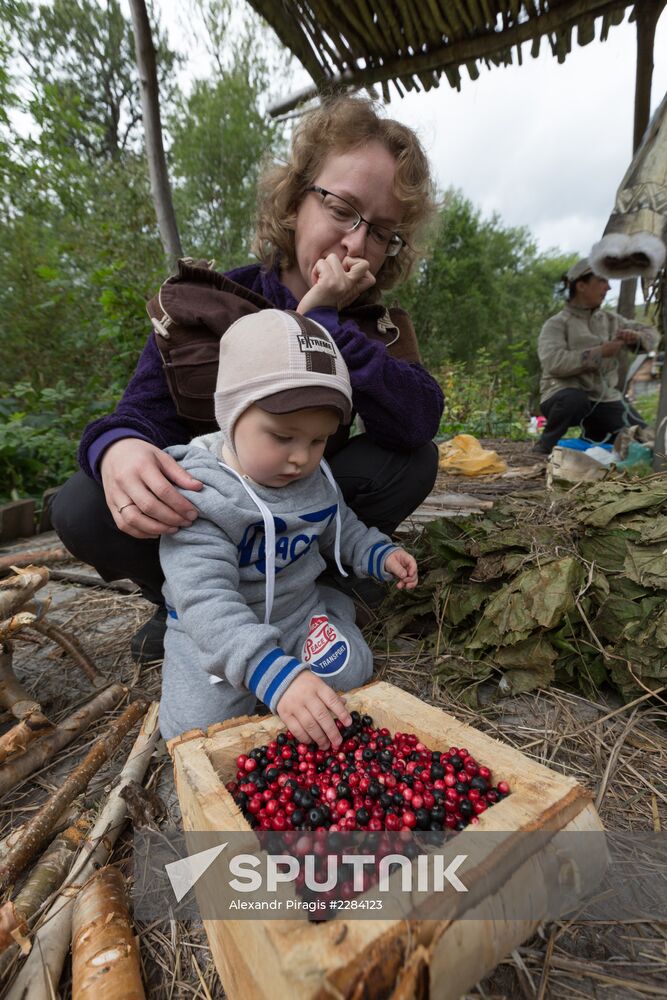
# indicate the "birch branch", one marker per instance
pixel 44 879
pixel 19 560
pixel 13 696
pixel 71 646
pixel 38 829
pixel 25 732
pixel 69 729
pixel 101 925
pixel 39 977
pixel 66 818
pixel 15 591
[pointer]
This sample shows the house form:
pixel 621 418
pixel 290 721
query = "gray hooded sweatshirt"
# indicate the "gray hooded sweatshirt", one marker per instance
pixel 224 589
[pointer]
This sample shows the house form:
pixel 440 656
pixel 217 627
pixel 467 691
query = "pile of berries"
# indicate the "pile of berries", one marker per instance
pixel 373 781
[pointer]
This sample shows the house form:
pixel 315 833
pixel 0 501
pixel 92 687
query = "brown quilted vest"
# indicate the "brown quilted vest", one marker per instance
pixel 195 307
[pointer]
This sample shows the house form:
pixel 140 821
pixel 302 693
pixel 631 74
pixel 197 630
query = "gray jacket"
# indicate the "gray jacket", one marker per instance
pixel 569 351
pixel 218 572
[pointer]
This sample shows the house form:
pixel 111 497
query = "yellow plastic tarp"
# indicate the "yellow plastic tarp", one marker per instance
pixel 464 456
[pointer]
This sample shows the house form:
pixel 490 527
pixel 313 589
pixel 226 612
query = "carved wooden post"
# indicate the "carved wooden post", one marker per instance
pixel 647 14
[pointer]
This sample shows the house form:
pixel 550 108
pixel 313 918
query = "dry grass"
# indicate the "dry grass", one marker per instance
pixel 617 751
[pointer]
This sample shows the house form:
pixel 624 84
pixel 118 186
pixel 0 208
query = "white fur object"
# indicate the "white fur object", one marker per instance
pixel 619 256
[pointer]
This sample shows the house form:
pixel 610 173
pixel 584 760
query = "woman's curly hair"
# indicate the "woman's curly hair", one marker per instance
pixel 342 124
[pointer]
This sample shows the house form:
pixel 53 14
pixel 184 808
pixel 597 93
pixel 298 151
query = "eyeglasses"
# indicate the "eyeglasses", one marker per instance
pixel 345 217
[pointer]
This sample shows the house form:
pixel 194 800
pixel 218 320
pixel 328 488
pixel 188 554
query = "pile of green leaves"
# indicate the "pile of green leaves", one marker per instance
pixel 573 593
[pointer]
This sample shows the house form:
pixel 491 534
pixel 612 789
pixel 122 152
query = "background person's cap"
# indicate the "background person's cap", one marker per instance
pixel 579 270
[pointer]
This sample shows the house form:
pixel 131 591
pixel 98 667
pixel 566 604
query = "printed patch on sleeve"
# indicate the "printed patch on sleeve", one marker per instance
pixel 325 649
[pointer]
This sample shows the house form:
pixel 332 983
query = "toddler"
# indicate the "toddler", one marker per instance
pixel 246 617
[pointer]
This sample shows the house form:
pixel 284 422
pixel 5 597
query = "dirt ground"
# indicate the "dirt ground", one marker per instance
pixel 617 752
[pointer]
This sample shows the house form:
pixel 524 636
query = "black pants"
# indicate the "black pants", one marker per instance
pixel 572 407
pixel 382 488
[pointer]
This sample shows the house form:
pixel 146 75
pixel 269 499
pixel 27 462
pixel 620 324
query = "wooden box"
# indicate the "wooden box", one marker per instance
pixel 359 959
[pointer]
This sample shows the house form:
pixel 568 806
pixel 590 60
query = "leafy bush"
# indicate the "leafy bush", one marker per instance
pixel 647 406
pixel 487 397
pixel 39 432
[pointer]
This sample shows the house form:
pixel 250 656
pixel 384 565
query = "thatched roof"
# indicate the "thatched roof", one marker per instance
pixel 352 44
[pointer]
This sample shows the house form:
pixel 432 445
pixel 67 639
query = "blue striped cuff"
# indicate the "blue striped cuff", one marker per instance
pixel 376 557
pixel 269 678
pixel 264 664
pixel 277 681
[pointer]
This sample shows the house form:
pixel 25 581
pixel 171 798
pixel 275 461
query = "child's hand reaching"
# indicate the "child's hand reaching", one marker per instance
pixel 404 567
pixel 309 707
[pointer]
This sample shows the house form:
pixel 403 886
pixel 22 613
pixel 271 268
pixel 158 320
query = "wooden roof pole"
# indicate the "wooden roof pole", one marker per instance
pixel 647 14
pixel 660 449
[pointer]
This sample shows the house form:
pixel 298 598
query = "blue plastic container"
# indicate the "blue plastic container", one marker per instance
pixel 581 444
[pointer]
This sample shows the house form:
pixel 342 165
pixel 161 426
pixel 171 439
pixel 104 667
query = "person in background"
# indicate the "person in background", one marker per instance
pixel 337 226
pixel 579 350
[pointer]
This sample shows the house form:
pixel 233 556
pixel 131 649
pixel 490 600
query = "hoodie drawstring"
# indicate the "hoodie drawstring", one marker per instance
pixel 270 534
pixel 326 469
pixel 269 541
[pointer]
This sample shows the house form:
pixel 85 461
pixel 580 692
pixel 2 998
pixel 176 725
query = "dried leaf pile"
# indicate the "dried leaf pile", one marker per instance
pixel 573 589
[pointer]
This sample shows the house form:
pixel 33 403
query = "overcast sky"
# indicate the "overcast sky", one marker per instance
pixel 544 145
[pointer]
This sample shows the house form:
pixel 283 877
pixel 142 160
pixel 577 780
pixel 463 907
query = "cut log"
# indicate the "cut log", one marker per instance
pixel 38 829
pixel 16 590
pixel 39 977
pixel 101 925
pixel 19 560
pixel 15 740
pixel 44 750
pixel 13 695
pixel 44 879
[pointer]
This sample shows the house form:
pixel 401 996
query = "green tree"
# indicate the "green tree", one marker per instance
pixel 83 74
pixel 221 136
pixel 481 285
pixel 79 249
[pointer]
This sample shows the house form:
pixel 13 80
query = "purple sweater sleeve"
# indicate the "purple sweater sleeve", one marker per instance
pixel 146 410
pixel 385 389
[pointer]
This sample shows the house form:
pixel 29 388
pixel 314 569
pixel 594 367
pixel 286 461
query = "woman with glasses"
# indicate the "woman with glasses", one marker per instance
pixel 337 226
